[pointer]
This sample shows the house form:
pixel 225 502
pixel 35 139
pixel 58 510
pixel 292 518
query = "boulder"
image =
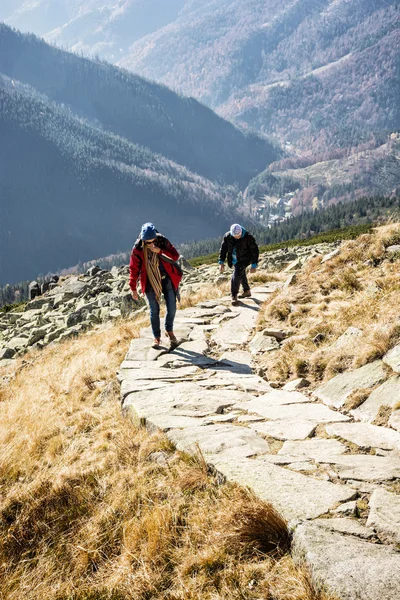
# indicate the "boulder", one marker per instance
pixel 93 271
pixel 336 391
pixel 262 342
pixel 387 394
pixel 392 358
pixel 33 290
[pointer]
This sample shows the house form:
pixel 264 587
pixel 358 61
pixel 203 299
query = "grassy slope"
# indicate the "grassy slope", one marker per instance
pixel 357 288
pixel 86 514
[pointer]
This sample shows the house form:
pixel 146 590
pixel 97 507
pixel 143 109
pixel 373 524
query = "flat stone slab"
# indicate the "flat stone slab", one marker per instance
pixel 238 442
pixel 384 514
pixel 386 394
pixel 242 382
pixel 306 412
pixel 292 429
pixel 184 399
pixel 366 435
pixel 347 526
pixel 276 398
pixel 236 332
pixel 353 569
pixel 336 391
pixel 316 448
pixel 392 358
pixel 238 361
pixel 158 373
pixel 365 467
pixel 296 496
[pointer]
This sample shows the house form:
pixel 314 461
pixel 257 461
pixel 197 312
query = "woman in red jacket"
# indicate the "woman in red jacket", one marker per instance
pixel 157 276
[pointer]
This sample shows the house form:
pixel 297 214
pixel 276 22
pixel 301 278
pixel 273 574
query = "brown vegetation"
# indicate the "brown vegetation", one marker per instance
pixel 94 509
pixel 359 288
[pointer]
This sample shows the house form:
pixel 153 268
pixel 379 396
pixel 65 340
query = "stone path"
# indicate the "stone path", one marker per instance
pixel 333 475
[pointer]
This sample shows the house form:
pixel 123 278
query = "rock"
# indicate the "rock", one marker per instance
pixel 386 394
pixel 238 442
pixel 291 429
pixel 330 255
pixel 316 448
pixel 17 343
pixel 45 287
pixel 238 361
pixel 93 271
pixel 6 353
pixel 294 495
pixel 306 412
pixel 345 525
pixel 33 290
pixel 72 288
pixel 293 266
pixel 348 508
pixel 365 467
pixel 296 384
pixel 392 358
pixel 365 435
pixel 184 264
pixel 384 514
pixel 263 343
pixel 291 280
pixel 394 420
pixel 181 399
pixel 274 398
pixel 393 249
pixel 336 391
pixel 348 339
pixel 237 330
pixel 352 569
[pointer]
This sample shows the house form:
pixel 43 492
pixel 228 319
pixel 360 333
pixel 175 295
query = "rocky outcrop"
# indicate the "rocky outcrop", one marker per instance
pixel 65 308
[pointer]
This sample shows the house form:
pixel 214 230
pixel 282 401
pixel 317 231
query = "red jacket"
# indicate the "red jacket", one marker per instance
pixel 137 267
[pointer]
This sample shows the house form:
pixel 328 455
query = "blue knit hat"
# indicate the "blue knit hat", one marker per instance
pixel 149 232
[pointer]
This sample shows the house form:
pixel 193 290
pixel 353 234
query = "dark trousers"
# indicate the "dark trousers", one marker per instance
pixel 239 277
pixel 170 300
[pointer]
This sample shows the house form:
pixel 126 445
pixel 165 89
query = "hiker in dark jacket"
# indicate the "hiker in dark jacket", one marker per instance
pixel 242 250
pixel 157 276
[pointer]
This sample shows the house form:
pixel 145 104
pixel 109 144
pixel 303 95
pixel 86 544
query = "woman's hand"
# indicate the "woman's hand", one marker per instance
pixel 154 248
pixel 135 296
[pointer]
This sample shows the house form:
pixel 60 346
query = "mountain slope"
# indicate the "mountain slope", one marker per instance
pixel 69 191
pixel 323 73
pixel 104 27
pixel 145 113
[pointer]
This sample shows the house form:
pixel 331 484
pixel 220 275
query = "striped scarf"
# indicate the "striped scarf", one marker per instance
pixel 152 264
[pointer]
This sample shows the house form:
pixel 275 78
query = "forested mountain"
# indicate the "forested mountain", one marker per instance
pixel 145 113
pixel 323 73
pixel 315 182
pixel 104 27
pixel 69 191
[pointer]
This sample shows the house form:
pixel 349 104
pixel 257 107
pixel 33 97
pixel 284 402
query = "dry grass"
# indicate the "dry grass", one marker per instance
pixel 87 514
pixel 358 288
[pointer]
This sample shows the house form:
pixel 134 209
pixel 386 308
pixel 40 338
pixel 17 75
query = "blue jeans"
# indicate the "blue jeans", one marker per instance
pixel 239 277
pixel 170 300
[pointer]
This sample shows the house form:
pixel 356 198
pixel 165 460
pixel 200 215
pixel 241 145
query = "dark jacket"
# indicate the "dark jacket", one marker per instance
pixel 246 249
pixel 137 267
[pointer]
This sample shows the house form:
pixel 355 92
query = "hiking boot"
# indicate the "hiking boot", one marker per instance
pixel 246 294
pixel 156 343
pixel 234 301
pixel 173 342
